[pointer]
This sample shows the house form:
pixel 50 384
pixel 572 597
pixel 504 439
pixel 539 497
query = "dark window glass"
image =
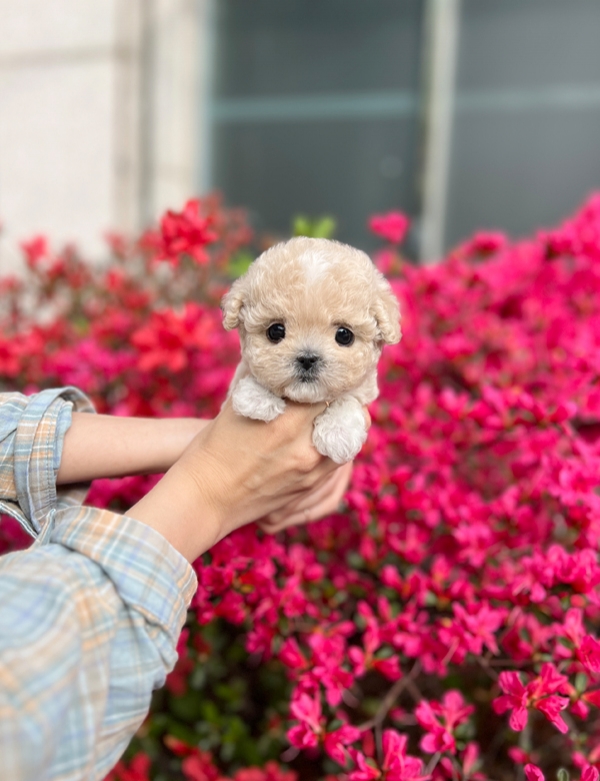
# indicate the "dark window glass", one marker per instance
pixel 526 136
pixel 315 109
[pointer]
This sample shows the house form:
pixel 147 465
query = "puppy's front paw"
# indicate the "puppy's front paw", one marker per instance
pixel 340 431
pixel 251 400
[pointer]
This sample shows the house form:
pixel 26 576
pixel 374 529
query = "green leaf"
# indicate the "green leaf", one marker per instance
pixel 184 733
pixel 197 679
pixel 385 653
pixel 324 228
pixel 232 693
pixel 210 712
pixel 239 264
pixel 301 226
pixel 562 775
pixel 319 228
pixel 355 560
pixel 188 707
pixel 581 682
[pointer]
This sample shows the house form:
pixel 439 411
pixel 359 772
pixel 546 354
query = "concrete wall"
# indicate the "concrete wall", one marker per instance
pixel 98 116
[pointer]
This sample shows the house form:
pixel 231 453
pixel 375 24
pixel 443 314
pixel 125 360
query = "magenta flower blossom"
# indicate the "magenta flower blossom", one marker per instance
pixel 185 232
pixel 439 720
pixel 540 693
pixel 391 226
pixel 589 653
pixel 307 710
pixel 533 773
pixel 335 742
pixel 470 529
pixel 397 765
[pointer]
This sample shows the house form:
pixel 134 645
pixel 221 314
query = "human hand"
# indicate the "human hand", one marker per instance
pixel 312 505
pixel 238 470
pixel 258 469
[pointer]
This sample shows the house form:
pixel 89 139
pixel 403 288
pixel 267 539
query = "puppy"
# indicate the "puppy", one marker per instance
pixel 313 316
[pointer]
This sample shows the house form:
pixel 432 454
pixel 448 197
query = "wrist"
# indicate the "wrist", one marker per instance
pixel 183 511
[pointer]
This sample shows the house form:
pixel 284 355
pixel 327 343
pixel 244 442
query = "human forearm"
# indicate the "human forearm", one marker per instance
pixel 95 609
pixel 110 446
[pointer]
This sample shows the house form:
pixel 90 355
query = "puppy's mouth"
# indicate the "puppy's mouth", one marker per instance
pixel 306 377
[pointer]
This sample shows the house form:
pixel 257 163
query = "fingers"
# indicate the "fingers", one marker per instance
pixel 277 475
pixel 322 500
pixel 304 411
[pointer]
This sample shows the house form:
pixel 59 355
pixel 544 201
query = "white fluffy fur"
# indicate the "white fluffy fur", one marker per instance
pixel 340 431
pixel 251 400
pixel 312 287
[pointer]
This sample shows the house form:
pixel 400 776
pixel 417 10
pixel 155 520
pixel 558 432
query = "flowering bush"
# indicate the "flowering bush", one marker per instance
pixel 442 626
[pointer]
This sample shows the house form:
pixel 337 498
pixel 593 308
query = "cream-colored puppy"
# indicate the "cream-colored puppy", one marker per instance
pixel 313 316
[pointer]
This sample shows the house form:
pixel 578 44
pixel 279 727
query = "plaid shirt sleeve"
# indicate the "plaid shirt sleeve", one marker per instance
pixel 89 615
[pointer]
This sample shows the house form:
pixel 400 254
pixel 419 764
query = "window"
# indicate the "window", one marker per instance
pixel 350 107
pixel 526 134
pixel 315 109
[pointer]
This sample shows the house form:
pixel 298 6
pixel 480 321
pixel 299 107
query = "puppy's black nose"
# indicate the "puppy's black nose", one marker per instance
pixel 307 361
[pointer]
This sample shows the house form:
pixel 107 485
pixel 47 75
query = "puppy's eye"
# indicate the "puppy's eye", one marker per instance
pixel 276 332
pixel 344 336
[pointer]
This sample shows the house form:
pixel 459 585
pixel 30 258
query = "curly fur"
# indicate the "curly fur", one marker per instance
pixel 312 287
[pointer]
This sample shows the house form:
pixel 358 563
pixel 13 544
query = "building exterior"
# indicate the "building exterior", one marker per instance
pixel 466 114
pixel 98 109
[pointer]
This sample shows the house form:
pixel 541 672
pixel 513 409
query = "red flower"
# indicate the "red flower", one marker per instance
pixel 391 226
pixel 397 765
pixel 540 694
pixel 138 769
pixel 270 772
pixel 35 250
pixel 440 720
pixel 168 338
pixel 199 767
pixel 589 653
pixel 482 243
pixel 186 232
pixel 335 742
pixel 590 774
pixel 308 712
pixel 291 655
pixel 533 773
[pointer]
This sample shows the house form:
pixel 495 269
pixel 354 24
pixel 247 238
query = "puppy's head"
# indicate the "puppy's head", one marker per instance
pixel 313 315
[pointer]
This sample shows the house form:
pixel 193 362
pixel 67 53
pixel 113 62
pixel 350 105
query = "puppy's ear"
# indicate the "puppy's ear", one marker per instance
pixel 386 311
pixel 232 304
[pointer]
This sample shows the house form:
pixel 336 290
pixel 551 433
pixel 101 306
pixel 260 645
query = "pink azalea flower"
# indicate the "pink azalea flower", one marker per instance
pixel 35 250
pixel 473 518
pixel 589 653
pixel 307 710
pixel 391 226
pixel 590 774
pixel 440 719
pixel 480 625
pixel 540 694
pixel 335 742
pixel 397 765
pixel 291 655
pixel 186 232
pixel 533 773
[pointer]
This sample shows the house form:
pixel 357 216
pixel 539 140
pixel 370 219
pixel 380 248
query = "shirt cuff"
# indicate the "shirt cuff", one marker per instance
pixel 39 437
pixel 150 576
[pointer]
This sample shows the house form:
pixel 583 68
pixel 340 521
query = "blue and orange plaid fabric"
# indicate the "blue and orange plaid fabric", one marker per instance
pixel 90 614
